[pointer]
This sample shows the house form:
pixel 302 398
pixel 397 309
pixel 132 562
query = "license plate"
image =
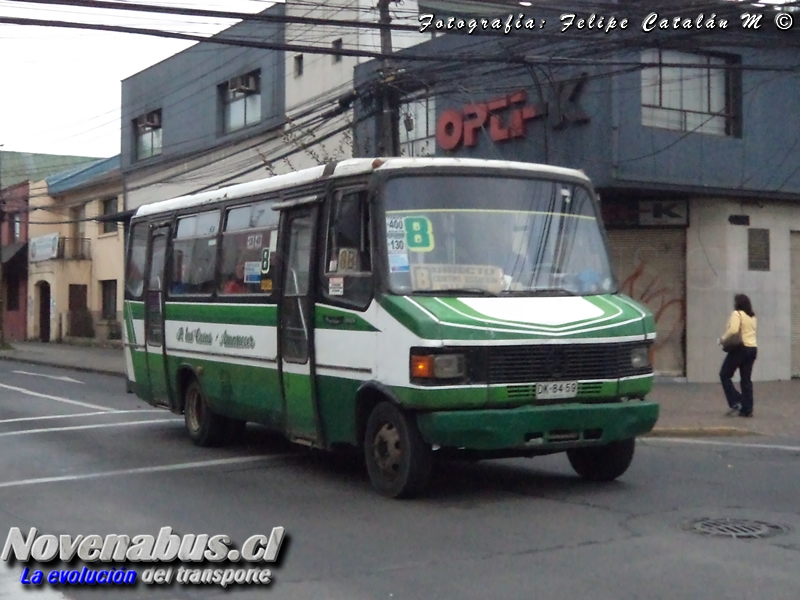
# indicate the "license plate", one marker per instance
pixel 556 389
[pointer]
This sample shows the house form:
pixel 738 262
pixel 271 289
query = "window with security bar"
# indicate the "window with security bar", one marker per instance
pixel 147 133
pixel 240 99
pixel 697 93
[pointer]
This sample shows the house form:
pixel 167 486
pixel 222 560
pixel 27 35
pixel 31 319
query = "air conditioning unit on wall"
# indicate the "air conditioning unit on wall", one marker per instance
pixel 152 120
pixel 243 83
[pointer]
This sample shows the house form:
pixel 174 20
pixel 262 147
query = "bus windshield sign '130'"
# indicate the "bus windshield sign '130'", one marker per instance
pixel 455 127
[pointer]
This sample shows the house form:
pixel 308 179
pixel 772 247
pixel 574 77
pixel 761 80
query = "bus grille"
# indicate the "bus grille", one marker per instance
pixel 559 362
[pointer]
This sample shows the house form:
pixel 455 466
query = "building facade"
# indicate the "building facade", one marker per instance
pixel 691 152
pixel 75 256
pixel 17 169
pixel 14 200
pixel 218 114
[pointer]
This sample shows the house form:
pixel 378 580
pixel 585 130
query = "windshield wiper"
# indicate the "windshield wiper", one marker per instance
pixel 541 292
pixel 554 291
pixel 466 290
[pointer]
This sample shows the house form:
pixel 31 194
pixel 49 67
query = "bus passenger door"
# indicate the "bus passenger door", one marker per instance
pixel 295 325
pixel 154 315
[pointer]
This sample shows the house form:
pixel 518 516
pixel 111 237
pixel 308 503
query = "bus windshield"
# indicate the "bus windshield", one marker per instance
pixel 494 235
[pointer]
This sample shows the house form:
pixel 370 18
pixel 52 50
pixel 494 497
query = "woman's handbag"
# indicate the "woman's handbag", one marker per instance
pixel 735 341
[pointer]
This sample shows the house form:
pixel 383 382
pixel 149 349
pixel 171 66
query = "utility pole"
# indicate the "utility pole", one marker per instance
pixel 389 124
pixel 2 286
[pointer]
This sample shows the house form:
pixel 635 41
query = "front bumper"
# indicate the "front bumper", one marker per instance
pixel 531 427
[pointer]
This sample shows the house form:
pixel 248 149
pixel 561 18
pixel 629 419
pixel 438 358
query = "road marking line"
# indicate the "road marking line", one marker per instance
pixel 56 398
pixel 56 377
pixel 141 470
pixel 91 414
pixel 735 444
pixel 96 426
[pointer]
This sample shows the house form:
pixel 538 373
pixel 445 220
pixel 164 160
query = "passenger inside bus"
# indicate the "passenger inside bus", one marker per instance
pixel 236 284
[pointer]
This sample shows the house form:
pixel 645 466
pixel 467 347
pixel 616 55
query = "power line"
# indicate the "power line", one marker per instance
pixel 252 43
pixel 199 12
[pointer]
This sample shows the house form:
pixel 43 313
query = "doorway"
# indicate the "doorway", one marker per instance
pixel 44 310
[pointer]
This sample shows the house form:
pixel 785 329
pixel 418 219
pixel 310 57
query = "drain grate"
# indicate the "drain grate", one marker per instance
pixel 736 528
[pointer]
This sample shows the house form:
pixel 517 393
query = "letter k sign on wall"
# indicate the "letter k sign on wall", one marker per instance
pixel 505 118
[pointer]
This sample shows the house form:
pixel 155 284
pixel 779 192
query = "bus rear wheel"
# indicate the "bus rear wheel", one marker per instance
pixel 399 461
pixel 205 427
pixel 602 463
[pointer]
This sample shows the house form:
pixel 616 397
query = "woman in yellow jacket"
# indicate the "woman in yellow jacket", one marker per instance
pixel 741 358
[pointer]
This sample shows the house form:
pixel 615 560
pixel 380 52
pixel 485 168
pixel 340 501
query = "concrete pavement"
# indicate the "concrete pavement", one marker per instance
pixel 687 409
pixel 91 359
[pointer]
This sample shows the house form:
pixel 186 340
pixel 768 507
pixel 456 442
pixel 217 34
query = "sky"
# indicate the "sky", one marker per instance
pixel 60 88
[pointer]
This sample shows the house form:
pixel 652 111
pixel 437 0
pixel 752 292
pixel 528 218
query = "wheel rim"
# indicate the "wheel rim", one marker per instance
pixel 387 451
pixel 194 409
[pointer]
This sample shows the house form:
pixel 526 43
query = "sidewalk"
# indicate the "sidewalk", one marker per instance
pixel 91 359
pixel 687 409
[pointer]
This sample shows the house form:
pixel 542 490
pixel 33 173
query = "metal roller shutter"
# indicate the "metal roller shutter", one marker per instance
pixel 794 266
pixel 650 265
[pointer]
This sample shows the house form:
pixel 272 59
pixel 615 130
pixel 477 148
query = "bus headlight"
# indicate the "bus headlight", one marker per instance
pixel 438 366
pixel 640 357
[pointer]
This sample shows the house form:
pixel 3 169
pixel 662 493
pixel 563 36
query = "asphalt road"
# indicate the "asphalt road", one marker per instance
pixel 80 456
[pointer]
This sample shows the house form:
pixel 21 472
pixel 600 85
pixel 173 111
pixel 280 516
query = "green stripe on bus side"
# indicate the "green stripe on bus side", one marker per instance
pixel 329 317
pixel 127 312
pixel 337 406
pixel 136 309
pixel 264 315
pixel 410 317
pixel 223 314
pixel 235 390
pixel 253 393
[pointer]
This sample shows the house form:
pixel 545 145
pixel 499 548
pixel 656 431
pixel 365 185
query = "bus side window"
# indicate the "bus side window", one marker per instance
pixel 195 254
pixel 134 274
pixel 348 262
pixel 249 234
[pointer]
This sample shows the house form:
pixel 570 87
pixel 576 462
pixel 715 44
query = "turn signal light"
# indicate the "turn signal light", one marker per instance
pixel 438 366
pixel 422 366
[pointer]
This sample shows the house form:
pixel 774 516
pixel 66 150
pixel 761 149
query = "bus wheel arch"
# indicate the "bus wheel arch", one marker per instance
pixel 368 396
pixel 183 378
pixel 205 427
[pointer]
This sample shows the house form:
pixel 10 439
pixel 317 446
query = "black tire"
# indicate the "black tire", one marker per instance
pixel 602 463
pixel 399 461
pixel 205 427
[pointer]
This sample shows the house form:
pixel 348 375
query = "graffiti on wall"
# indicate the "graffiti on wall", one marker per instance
pixel 661 299
pixel 661 289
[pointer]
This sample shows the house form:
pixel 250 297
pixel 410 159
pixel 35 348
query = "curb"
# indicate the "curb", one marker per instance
pixel 45 363
pixel 700 432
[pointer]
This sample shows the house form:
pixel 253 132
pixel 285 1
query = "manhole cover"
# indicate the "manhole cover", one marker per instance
pixel 736 528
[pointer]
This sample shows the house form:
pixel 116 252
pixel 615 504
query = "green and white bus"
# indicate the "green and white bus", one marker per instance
pixel 410 308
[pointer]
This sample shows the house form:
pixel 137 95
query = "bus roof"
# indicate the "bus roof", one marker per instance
pixel 354 166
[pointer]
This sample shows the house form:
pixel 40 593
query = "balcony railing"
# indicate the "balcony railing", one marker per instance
pixel 74 249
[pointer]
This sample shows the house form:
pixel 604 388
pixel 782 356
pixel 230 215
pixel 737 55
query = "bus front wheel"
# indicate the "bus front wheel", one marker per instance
pixel 399 461
pixel 602 463
pixel 205 427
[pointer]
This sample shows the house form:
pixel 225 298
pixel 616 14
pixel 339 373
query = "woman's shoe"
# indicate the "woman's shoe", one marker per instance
pixel 743 414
